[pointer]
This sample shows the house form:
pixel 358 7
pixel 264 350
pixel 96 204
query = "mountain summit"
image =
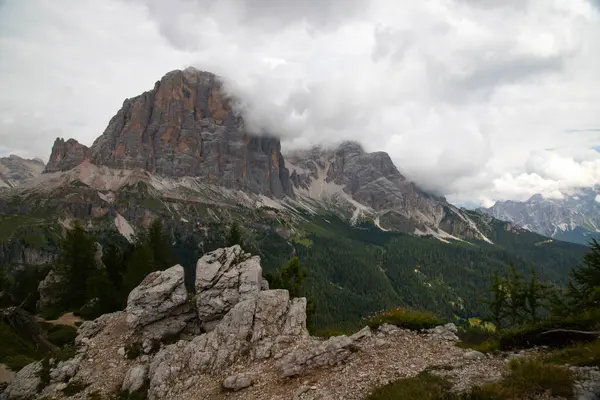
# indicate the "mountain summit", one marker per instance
pixel 185 126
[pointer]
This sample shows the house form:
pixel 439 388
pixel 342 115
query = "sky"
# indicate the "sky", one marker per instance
pixel 477 100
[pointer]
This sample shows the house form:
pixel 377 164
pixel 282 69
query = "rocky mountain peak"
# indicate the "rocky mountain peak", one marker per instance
pixel 185 126
pixel 66 155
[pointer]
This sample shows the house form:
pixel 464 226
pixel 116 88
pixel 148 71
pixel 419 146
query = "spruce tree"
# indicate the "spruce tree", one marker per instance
pixel 235 236
pixel 76 263
pixel 498 302
pixel 584 290
pixel 160 243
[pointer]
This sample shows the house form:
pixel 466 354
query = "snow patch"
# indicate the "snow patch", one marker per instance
pixel 124 228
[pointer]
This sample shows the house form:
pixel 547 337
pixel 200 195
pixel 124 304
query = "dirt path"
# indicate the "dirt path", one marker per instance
pixel 68 319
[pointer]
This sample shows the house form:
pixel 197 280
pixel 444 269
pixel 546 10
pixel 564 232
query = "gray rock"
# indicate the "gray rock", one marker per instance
pixel 26 382
pixel 364 333
pixel 159 306
pixel 48 290
pixel 135 378
pixel 445 332
pixel 225 277
pixel 88 329
pixel 473 355
pixel 387 329
pixel 238 382
pixel 65 370
pixel 327 353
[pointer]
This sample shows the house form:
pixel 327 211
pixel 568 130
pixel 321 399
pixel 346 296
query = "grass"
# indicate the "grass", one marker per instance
pixel 73 388
pixel 424 386
pixel 585 355
pixel 403 318
pixel 527 379
pixel 530 378
pixel 15 363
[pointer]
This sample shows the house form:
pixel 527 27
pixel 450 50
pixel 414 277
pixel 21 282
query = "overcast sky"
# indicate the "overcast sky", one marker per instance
pixel 478 100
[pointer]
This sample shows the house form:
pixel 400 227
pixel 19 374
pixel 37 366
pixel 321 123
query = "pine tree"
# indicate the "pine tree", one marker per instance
pixel 235 236
pixel 138 267
pixel 76 263
pixel 535 296
pixel 161 246
pixel 584 290
pixel 293 276
pixel 498 302
pixel 516 296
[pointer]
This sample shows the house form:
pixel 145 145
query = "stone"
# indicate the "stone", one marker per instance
pixel 364 333
pixel 238 382
pixel 66 155
pixel 225 277
pixel 327 353
pixel 135 378
pixel 473 355
pixel 186 126
pixel 26 382
pixel 48 290
pixel 445 332
pixel 65 370
pixel 158 307
pixel 387 328
pixel 121 351
pixel 88 329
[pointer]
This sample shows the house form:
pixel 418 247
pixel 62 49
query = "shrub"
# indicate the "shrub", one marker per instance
pixel 133 350
pixel 403 318
pixel 15 363
pixel 60 335
pixel 529 335
pixel 65 353
pixel 73 388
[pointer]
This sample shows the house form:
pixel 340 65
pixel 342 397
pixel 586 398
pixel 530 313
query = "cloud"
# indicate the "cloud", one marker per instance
pixel 475 100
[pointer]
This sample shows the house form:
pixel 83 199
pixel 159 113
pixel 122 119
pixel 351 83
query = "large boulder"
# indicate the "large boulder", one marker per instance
pixel 329 353
pixel 48 289
pixel 159 306
pixel 225 277
pixel 26 382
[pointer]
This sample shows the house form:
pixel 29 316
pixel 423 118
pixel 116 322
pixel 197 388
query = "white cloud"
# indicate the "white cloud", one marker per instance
pixel 472 99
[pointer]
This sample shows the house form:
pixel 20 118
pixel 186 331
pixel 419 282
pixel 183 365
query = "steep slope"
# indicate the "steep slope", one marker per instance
pixel 14 170
pixel 368 185
pixel 573 218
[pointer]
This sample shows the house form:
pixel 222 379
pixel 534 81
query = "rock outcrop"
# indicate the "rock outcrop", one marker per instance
pixel 158 307
pixel 186 126
pixel 66 155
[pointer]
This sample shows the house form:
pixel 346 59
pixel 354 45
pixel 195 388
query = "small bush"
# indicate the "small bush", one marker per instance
pixel 15 363
pixel 61 335
pixel 65 353
pixel 403 318
pixel 73 388
pixel 133 350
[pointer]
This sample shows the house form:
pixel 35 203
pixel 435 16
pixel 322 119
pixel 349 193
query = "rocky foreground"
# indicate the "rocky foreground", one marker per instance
pixel 237 339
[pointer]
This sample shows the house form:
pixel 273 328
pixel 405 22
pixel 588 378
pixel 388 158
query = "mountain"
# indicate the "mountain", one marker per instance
pixel 573 218
pixel 369 186
pixel 14 170
pixel 370 238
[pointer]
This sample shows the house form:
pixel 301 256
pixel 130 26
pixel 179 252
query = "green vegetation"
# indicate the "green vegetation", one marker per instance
pixel 74 387
pixel 406 319
pixel 133 350
pixel 527 379
pixel 584 355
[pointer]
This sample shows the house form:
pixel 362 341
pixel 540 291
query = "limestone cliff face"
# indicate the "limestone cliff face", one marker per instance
pixel 185 126
pixel 14 170
pixel 66 155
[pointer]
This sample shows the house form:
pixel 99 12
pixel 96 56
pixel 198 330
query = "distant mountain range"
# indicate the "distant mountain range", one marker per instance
pixel 14 170
pixel 574 218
